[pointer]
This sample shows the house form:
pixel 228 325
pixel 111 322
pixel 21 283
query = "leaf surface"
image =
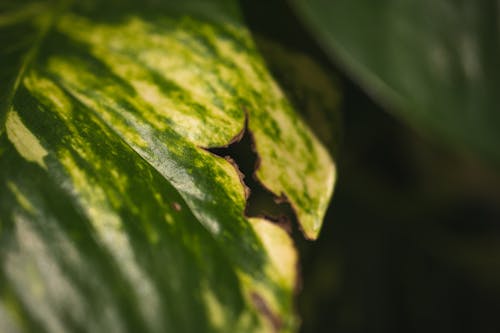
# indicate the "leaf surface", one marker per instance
pixel 111 207
pixel 312 88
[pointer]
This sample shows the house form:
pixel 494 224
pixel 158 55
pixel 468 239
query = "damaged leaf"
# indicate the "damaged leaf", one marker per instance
pixel 111 205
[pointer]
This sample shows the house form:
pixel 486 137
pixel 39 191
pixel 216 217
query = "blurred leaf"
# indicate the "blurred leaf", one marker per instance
pixel 435 63
pixel 111 207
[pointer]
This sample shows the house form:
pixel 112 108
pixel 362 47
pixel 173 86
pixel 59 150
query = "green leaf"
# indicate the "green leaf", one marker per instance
pixel 113 214
pixel 312 89
pixel 435 63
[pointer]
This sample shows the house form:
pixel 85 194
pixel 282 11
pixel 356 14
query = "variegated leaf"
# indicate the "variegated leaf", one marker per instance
pixel 113 214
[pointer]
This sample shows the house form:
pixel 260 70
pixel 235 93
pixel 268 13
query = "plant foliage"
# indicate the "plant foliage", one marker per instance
pixel 114 215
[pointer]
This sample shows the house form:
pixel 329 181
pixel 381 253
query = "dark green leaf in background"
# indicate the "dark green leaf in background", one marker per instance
pixel 434 63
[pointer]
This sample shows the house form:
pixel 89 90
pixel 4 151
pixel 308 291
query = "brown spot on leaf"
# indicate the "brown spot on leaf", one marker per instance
pixel 176 206
pixel 241 176
pixel 263 308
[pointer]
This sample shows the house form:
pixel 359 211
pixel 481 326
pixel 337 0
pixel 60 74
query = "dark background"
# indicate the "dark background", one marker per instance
pixel 411 241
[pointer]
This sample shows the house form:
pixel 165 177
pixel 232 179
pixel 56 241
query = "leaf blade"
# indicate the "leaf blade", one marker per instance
pixel 103 172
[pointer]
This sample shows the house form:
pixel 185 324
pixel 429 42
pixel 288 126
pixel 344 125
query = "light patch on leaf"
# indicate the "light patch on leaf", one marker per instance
pixel 280 249
pixel 216 311
pixel 26 143
pixel 20 197
pixel 47 90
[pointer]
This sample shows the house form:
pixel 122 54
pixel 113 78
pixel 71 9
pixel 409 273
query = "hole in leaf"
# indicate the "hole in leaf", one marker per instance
pixel 260 201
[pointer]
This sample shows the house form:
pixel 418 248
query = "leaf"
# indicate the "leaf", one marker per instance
pixel 435 63
pixel 312 89
pixel 113 214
